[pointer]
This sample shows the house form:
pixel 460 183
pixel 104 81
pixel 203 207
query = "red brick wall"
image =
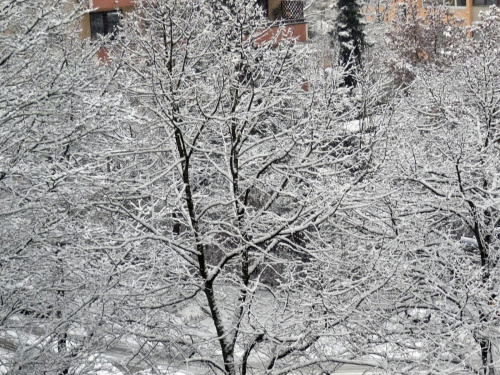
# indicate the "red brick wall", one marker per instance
pixel 111 4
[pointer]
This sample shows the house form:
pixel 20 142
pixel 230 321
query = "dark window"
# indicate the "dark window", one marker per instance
pixel 264 5
pixel 455 3
pixel 486 2
pixel 104 23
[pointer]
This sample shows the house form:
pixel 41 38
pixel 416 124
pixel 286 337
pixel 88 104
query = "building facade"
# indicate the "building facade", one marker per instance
pixel 106 14
pixel 468 10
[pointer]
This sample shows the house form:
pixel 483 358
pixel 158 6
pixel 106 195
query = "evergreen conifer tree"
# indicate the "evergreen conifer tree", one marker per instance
pixel 350 37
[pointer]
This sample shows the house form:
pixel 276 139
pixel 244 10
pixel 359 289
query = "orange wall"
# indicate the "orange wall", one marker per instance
pixel 273 7
pixel 465 13
pixel 85 33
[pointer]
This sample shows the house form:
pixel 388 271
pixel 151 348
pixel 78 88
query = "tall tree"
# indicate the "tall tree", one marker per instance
pixel 351 38
pixel 446 218
pixel 53 104
pixel 235 197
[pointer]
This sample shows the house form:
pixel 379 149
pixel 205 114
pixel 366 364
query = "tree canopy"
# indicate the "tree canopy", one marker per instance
pixel 210 202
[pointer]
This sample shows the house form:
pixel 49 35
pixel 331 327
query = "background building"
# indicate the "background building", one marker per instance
pixel 466 9
pixel 106 15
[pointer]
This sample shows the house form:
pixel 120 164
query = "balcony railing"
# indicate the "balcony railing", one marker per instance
pixel 291 11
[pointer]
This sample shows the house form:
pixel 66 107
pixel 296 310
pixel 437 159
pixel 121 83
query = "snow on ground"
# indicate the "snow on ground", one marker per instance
pixel 116 360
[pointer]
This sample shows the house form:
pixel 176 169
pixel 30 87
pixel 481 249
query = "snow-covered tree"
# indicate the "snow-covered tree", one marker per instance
pixel 53 102
pixel 350 36
pixel 238 239
pixel 423 37
pixel 445 219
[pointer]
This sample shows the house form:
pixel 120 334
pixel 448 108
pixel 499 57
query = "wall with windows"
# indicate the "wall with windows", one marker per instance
pixel 104 19
pixel 455 3
pixel 106 14
pixel 463 9
pixel 486 2
pixel 468 9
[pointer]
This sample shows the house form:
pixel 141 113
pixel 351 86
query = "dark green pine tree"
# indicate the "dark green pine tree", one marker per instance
pixel 351 38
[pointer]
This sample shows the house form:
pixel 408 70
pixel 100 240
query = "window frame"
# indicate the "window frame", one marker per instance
pixel 109 28
pixel 484 3
pixel 454 5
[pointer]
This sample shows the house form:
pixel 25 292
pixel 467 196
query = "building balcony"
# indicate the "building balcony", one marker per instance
pixel 289 11
pixel 289 18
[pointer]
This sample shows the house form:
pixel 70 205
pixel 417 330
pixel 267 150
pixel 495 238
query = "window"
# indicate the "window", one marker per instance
pixel 104 23
pixel 486 2
pixel 456 3
pixel 452 3
pixel 264 4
